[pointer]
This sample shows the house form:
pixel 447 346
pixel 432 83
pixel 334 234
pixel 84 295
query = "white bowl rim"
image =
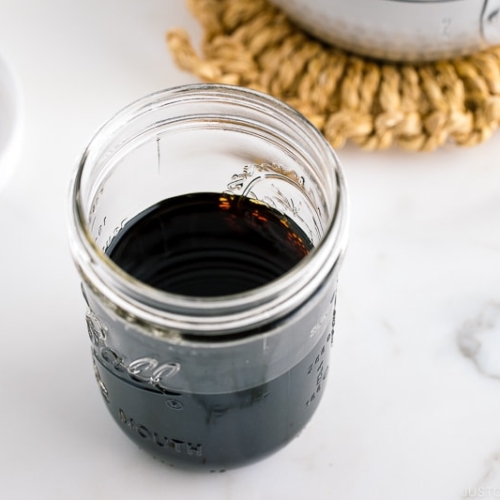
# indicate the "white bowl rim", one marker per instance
pixel 11 117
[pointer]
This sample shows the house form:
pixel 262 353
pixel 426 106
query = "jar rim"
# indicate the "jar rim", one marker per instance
pixel 163 311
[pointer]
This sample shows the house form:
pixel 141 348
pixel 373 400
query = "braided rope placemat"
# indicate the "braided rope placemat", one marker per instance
pixel 372 104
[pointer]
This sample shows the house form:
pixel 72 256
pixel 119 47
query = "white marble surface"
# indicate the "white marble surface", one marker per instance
pixel 412 409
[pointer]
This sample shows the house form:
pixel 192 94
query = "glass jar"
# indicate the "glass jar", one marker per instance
pixel 209 382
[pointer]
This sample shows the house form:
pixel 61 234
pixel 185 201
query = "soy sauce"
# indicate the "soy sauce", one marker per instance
pixel 209 245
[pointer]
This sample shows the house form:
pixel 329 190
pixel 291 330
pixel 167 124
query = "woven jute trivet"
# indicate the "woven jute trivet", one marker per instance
pixel 373 104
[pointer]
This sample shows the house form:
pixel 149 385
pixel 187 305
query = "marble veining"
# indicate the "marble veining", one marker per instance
pixel 487 484
pixel 479 340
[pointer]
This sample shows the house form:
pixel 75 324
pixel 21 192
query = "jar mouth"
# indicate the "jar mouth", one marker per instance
pixel 164 312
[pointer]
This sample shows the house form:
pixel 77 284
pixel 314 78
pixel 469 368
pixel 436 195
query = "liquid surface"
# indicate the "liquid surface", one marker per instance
pixel 209 244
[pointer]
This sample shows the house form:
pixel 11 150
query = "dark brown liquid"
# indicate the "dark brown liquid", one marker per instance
pixel 209 244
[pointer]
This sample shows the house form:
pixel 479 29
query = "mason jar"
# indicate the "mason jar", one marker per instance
pixel 210 381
